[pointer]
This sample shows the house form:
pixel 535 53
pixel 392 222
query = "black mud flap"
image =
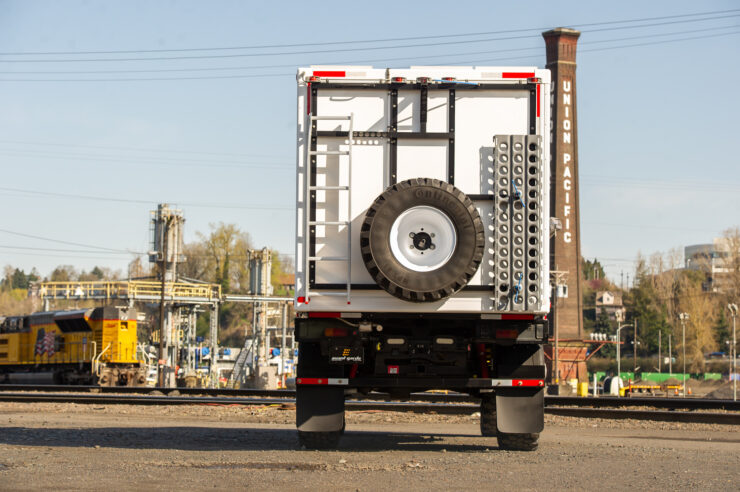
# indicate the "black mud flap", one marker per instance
pixel 319 409
pixel 520 410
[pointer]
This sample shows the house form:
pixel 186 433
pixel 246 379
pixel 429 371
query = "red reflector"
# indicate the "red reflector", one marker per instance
pixel 301 300
pixel 320 314
pixel 449 79
pixel 423 80
pixel 517 316
pixel 335 332
pixel 534 80
pixel 500 333
pixel 312 381
pixel 330 73
pixel 517 75
pixel 527 382
pixel 313 78
pixel 399 79
pixel 392 369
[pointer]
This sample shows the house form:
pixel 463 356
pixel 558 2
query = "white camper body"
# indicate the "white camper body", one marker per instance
pixel 363 129
pixel 422 242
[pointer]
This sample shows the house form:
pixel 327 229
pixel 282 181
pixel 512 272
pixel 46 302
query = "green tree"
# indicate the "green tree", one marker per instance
pixel 592 269
pixel 64 273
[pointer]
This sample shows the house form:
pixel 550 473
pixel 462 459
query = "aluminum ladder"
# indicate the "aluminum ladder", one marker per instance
pixel 310 194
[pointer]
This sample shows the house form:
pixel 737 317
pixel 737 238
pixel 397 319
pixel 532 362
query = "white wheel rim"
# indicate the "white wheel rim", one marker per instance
pixel 434 245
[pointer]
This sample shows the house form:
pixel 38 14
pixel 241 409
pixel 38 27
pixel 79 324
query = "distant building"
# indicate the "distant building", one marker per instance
pixel 611 304
pixel 710 259
pixel 286 281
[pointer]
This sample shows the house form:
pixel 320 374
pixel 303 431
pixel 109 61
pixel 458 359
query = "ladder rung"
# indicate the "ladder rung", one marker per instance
pixel 328 258
pixel 323 223
pixel 316 118
pixel 320 188
pixel 328 152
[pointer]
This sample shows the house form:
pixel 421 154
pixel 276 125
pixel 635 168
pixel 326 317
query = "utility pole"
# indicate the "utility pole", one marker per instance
pixel 619 356
pixel 683 317
pixel 733 351
pixel 163 362
pixel 634 353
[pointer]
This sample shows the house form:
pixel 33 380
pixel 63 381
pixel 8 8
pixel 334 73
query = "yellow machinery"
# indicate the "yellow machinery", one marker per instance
pixel 93 346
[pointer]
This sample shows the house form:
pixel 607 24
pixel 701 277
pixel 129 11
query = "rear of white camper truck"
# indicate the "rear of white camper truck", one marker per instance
pixel 422 233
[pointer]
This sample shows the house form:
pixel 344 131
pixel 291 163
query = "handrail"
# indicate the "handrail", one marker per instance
pixel 129 289
pixel 96 362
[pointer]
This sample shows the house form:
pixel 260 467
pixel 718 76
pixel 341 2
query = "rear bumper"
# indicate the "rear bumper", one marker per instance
pixel 425 383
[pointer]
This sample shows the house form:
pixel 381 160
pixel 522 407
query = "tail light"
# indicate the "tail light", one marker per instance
pixel 335 332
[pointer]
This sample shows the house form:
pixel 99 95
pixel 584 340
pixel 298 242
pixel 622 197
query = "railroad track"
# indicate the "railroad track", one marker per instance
pixel 665 403
pixel 368 405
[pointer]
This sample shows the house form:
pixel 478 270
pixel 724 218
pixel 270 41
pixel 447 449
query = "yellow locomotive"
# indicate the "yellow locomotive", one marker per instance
pixel 88 346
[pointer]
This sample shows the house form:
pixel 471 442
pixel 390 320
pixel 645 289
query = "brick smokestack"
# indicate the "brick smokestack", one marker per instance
pixel 565 259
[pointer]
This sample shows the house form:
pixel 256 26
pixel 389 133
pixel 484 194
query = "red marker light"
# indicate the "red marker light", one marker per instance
pixel 335 332
pixel 449 79
pixel 401 80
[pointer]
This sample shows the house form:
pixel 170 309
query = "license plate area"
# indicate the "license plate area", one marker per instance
pixel 346 355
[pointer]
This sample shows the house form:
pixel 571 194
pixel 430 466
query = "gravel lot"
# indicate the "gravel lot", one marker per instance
pixel 68 446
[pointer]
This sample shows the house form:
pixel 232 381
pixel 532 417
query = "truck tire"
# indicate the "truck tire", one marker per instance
pixel 422 240
pixel 510 442
pixel 488 415
pixel 319 440
pixel 518 442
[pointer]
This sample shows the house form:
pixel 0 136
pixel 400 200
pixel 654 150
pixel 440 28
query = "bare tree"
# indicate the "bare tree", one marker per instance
pixel 703 310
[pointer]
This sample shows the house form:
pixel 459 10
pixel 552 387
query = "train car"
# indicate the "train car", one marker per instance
pixel 88 346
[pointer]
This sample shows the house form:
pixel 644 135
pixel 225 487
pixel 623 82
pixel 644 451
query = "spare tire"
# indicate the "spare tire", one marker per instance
pixel 422 240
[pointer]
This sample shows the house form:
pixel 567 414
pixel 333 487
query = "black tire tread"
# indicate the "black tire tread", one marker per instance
pixel 319 440
pixel 518 442
pixel 509 442
pixel 488 416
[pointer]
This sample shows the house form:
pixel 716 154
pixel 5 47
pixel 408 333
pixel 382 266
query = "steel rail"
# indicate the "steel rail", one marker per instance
pixel 666 403
pixel 365 405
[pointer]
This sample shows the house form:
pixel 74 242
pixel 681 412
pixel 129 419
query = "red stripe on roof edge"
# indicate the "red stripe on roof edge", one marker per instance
pixel 517 75
pixel 330 73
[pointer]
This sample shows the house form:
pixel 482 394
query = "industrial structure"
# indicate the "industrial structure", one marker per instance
pixel 180 301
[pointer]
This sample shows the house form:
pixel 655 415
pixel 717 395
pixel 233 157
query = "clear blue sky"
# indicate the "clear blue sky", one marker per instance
pixel 657 120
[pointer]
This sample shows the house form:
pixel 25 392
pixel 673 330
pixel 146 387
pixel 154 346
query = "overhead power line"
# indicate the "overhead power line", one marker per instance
pixel 380 40
pixel 449 62
pixel 407 57
pixel 69 256
pixel 345 50
pixel 41 238
pixel 136 149
pixel 148 202
pixel 133 160
pixel 27 248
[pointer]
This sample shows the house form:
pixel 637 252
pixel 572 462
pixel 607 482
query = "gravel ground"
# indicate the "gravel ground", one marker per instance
pixel 85 447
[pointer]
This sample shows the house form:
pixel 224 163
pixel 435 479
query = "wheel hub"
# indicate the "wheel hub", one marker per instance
pixel 423 238
pixel 422 241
